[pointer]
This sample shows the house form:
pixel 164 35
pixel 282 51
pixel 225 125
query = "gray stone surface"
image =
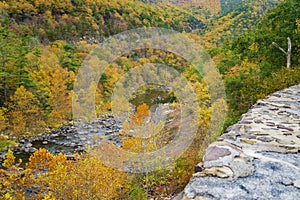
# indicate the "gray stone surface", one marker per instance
pixel 257 158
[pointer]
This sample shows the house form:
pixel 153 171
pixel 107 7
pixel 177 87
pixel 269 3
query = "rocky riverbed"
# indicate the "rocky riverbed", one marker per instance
pixel 73 138
pixel 257 158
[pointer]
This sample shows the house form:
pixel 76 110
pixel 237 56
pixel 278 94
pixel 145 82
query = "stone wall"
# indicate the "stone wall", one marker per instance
pixel 257 158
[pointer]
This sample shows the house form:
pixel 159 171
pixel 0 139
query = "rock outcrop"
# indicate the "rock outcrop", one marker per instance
pixel 257 158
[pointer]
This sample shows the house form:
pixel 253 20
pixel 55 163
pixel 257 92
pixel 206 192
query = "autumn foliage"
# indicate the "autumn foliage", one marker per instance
pixel 49 176
pixel 44 42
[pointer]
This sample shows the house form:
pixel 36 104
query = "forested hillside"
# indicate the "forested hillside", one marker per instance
pixel 252 66
pixel 93 20
pixel 235 18
pixel 214 6
pixel 44 43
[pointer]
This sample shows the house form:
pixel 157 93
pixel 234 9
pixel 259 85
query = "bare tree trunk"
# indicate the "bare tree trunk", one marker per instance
pixel 288 53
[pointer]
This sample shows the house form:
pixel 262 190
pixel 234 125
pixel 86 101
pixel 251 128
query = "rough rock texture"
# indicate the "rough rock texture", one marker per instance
pixel 71 138
pixel 257 158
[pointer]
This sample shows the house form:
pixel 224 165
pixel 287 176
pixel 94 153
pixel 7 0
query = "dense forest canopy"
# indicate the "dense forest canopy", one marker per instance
pixel 44 43
pixel 92 20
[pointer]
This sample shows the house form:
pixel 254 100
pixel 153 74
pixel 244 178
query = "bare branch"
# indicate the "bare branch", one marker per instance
pixel 278 47
pixel 288 53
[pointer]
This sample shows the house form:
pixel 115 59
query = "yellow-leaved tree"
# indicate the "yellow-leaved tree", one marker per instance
pixel 3 120
pixel 24 113
pixel 84 178
pixel 54 88
pixel 13 180
pixel 141 135
pixel 49 176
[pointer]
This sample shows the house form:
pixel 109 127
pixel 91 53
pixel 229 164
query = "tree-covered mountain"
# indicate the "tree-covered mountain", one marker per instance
pixel 252 66
pixel 235 18
pixel 43 44
pixel 232 5
pixel 73 20
pixel 196 6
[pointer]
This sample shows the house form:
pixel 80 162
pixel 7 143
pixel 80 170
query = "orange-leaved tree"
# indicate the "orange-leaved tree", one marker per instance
pixel 140 134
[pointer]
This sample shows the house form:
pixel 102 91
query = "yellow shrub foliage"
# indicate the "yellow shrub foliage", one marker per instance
pixel 51 176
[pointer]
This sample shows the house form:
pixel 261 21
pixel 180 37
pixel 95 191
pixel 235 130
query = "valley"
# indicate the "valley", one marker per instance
pixel 45 46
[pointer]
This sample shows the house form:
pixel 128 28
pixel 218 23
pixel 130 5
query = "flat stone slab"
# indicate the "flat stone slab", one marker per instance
pixel 257 158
